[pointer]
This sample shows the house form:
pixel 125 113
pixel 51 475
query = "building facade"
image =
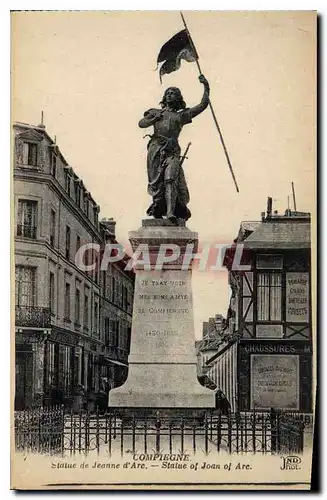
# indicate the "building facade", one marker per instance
pixel 207 347
pixel 267 359
pixel 117 295
pixel 59 330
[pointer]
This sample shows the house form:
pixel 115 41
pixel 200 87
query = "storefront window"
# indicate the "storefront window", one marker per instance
pixel 50 366
pixel 65 378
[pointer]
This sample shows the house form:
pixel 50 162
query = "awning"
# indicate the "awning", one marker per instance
pixel 114 361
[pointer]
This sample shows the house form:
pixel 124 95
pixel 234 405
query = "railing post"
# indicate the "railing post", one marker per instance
pixel 145 435
pixel 171 424
pixel 229 430
pixel 275 430
pixel 219 424
pixel 194 437
pixel 133 433
pixel 157 425
pixel 122 437
pixel 206 443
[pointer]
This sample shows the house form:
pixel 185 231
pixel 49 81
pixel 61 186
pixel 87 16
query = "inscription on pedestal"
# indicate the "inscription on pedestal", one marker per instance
pixel 163 315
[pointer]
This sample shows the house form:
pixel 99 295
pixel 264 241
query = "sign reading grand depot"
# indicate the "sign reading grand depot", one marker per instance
pixel 275 381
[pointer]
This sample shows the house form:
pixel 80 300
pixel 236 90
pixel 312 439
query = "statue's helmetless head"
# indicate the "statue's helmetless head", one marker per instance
pixel 173 97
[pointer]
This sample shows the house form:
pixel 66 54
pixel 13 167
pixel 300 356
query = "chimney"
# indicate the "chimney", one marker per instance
pixel 205 329
pixel 211 323
pixel 269 207
pixel 109 224
pixel 219 321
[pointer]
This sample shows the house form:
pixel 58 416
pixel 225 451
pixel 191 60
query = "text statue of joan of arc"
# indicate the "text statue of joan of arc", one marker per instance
pixel 166 179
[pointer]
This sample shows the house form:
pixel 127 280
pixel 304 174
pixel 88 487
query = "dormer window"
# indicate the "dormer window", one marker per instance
pixel 86 204
pixel 67 182
pixel 77 192
pixel 95 213
pixel 53 164
pixel 30 154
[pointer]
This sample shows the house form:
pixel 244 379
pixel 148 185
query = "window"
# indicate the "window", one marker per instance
pixel 86 311
pixel 124 297
pixel 67 182
pixel 122 293
pixel 67 302
pixel 52 227
pixel 97 269
pixel 90 372
pixel 26 218
pixel 114 289
pixel 51 293
pixel 50 365
pixel 77 193
pixel 86 204
pixel 113 333
pixel 107 331
pixel 53 164
pixel 104 283
pixel 30 154
pixel 78 242
pixel 25 286
pixel 86 257
pixel 96 318
pixel 269 261
pixel 95 215
pixel 269 297
pixel 65 369
pixel 67 249
pixel 123 335
pixel 77 307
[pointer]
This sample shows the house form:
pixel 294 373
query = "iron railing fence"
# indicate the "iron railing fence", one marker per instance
pixel 40 429
pixel 32 316
pixel 289 437
pixel 55 430
pixel 306 418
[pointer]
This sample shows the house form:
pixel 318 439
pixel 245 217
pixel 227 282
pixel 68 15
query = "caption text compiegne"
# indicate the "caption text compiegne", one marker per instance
pixel 143 461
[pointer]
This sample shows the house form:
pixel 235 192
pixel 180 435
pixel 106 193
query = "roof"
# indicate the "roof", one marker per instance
pixel 42 130
pixel 247 228
pixel 215 344
pixel 222 348
pixel 204 345
pixel 281 234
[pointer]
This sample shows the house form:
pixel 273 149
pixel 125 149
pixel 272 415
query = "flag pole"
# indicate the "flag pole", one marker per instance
pixel 211 108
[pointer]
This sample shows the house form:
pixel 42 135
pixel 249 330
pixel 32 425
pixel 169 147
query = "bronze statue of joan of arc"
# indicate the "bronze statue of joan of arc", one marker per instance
pixel 166 179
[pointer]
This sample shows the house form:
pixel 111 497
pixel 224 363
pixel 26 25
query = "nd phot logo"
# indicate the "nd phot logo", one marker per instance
pixel 291 462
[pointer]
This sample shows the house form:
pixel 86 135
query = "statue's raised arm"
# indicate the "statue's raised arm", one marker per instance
pixel 196 110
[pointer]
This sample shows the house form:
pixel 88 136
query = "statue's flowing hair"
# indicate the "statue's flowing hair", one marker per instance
pixel 180 103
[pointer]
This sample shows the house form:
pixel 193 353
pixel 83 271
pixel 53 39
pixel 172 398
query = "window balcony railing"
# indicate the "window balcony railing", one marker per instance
pixel 26 231
pixel 38 317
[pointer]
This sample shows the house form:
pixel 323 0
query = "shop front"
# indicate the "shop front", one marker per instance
pixel 275 374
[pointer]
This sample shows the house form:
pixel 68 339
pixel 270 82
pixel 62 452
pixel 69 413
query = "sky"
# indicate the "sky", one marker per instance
pixel 92 74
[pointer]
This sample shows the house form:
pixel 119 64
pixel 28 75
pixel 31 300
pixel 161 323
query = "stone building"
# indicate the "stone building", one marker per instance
pixel 59 329
pixel 116 306
pixel 266 359
pixel 207 346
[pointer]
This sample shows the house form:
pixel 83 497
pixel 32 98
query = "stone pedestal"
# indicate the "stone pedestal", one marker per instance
pixel 162 362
